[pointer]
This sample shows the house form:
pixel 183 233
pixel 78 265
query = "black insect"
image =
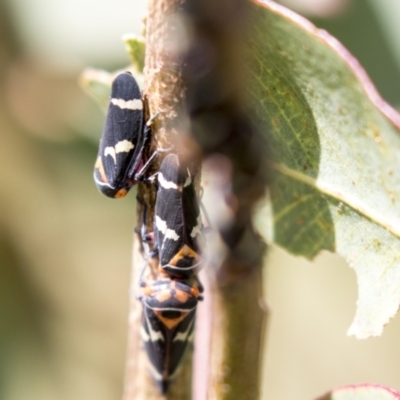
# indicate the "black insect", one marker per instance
pixel 119 163
pixel 177 224
pixel 169 302
pixel 169 309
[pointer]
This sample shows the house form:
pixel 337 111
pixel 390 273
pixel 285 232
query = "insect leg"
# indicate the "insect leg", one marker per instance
pixel 146 239
pixel 139 176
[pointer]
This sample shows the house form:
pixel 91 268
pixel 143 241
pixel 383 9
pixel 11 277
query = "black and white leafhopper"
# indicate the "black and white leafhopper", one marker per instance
pixel 169 309
pixel 177 224
pixel 124 138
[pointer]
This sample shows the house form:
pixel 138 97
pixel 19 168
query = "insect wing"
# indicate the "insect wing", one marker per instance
pixel 177 220
pixel 121 142
pixel 166 352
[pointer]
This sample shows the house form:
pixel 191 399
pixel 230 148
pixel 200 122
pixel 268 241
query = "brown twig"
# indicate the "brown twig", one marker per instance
pixel 164 94
pixel 215 73
pixel 196 66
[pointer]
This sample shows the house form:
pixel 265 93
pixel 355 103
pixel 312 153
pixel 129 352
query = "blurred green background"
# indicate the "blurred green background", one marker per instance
pixel 65 249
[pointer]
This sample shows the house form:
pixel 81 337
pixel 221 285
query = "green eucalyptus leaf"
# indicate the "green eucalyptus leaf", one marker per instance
pixel 97 83
pixel 335 157
pixel 135 46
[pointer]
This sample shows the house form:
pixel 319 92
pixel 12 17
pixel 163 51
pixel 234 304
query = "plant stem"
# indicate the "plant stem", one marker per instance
pixel 236 338
pixel 196 64
pixel 215 73
pixel 164 93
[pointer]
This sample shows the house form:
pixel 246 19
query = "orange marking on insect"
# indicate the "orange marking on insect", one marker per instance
pixel 162 272
pixel 100 167
pixel 182 296
pixel 194 291
pixel 147 290
pixel 185 251
pixel 163 296
pixel 171 322
pixel 120 193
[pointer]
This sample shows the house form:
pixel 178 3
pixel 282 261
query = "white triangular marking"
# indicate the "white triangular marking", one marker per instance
pixel 110 151
pixel 197 229
pixel 161 225
pixel 124 146
pixel 166 184
pixel 188 180
pixel 143 334
pixel 135 104
pixel 154 335
pixel 183 335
